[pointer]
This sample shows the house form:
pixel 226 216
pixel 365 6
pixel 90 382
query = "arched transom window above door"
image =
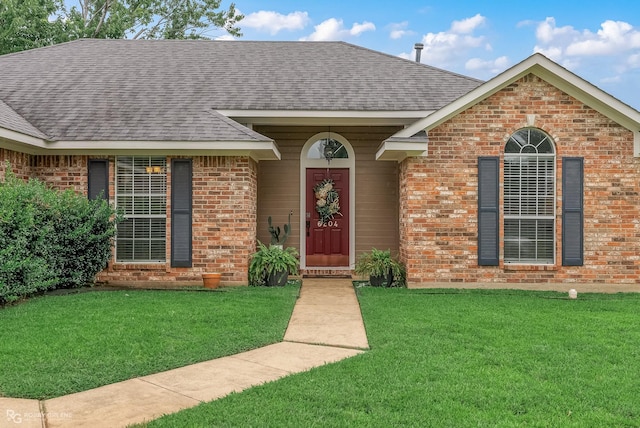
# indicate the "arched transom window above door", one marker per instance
pixel 327 148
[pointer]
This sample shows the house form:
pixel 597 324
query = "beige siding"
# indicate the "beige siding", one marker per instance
pixel 278 184
pixel 376 185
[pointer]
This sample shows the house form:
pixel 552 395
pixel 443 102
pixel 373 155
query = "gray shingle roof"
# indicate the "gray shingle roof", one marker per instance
pixel 166 90
pixel 11 120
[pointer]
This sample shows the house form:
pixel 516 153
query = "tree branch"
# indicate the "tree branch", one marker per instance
pixel 105 9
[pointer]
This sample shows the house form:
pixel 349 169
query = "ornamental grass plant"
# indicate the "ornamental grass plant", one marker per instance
pixel 270 261
pixel 381 267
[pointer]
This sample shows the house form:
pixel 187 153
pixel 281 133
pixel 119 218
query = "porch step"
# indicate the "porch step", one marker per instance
pixel 325 273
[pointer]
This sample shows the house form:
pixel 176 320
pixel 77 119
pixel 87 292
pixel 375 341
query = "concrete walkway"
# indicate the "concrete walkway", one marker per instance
pixel 325 327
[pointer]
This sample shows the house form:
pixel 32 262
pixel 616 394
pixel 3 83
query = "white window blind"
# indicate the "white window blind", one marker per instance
pixel 141 194
pixel 529 198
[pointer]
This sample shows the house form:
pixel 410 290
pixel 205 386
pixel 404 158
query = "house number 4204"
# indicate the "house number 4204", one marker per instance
pixel 330 223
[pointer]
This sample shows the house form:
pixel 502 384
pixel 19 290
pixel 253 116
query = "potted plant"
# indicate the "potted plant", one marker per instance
pixel 272 265
pixel 383 270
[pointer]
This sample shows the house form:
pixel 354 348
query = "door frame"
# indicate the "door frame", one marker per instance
pixel 348 163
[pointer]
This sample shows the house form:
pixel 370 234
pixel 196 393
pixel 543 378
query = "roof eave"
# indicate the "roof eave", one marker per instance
pixel 326 117
pixel 554 74
pixel 18 141
pixel 399 151
pixel 258 150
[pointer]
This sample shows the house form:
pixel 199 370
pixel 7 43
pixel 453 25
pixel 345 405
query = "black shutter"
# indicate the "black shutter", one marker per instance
pixel 181 177
pixel 488 210
pixel 98 179
pixel 572 212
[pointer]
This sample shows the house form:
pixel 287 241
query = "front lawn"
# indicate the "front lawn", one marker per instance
pixel 56 345
pixel 461 358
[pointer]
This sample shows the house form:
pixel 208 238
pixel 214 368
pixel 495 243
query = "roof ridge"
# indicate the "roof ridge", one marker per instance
pixel 164 89
pixel 419 64
pixel 47 47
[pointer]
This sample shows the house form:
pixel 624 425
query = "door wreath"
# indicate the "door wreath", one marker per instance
pixel 327 200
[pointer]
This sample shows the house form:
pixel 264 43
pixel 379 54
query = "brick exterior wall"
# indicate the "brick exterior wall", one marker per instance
pixel 225 201
pixel 61 172
pixel 224 226
pixel 19 163
pixel 224 214
pixel 438 198
pixel 438 193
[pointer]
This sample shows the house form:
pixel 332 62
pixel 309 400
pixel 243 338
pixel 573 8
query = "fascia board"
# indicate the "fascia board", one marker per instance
pixel 263 150
pixel 552 73
pixel 590 95
pixel 313 117
pixel 21 139
pixel 471 98
pixel 398 151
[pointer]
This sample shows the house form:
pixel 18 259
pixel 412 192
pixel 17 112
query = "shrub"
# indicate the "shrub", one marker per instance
pixel 83 232
pixel 22 270
pixel 50 238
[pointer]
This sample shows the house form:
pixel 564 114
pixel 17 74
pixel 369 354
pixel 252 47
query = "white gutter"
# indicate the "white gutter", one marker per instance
pixel 263 150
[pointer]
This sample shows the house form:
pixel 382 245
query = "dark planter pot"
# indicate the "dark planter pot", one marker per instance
pixel 277 279
pixel 382 280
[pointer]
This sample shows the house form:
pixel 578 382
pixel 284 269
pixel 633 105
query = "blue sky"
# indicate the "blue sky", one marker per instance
pixel 598 40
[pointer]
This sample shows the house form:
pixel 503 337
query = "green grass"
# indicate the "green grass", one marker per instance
pixel 56 345
pixel 461 358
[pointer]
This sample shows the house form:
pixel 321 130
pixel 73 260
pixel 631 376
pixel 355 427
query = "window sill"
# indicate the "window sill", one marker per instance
pixel 508 267
pixel 139 265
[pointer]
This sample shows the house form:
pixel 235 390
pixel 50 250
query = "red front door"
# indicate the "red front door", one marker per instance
pixel 327 228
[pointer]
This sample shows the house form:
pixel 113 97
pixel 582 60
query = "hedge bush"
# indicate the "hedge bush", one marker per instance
pixel 50 238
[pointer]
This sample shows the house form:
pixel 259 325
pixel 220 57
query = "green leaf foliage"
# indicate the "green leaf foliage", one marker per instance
pixel 50 239
pixel 27 24
pixel 272 260
pixel 380 263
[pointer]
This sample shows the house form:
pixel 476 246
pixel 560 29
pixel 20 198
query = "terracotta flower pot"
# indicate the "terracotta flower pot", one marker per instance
pixel 211 280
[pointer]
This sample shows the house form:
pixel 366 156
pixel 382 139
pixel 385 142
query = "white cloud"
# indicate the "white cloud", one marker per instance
pixel 225 37
pixel 547 32
pixel 274 22
pixel 612 38
pixel 604 56
pixel 358 29
pixel 468 25
pixel 398 34
pixel 493 66
pixel 333 29
pixel 399 30
pixel 449 48
pixel 553 53
pixel 617 40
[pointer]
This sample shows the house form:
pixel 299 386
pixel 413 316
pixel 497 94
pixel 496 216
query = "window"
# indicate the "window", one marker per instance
pixel 529 198
pixel 320 147
pixel 141 194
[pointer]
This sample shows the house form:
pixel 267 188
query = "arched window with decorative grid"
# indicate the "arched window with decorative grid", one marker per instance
pixel 529 198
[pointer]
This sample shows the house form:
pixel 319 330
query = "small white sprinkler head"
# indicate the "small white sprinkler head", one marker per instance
pixel 573 294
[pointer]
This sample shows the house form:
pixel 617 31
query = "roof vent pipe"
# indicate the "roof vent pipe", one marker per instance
pixel 418 47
